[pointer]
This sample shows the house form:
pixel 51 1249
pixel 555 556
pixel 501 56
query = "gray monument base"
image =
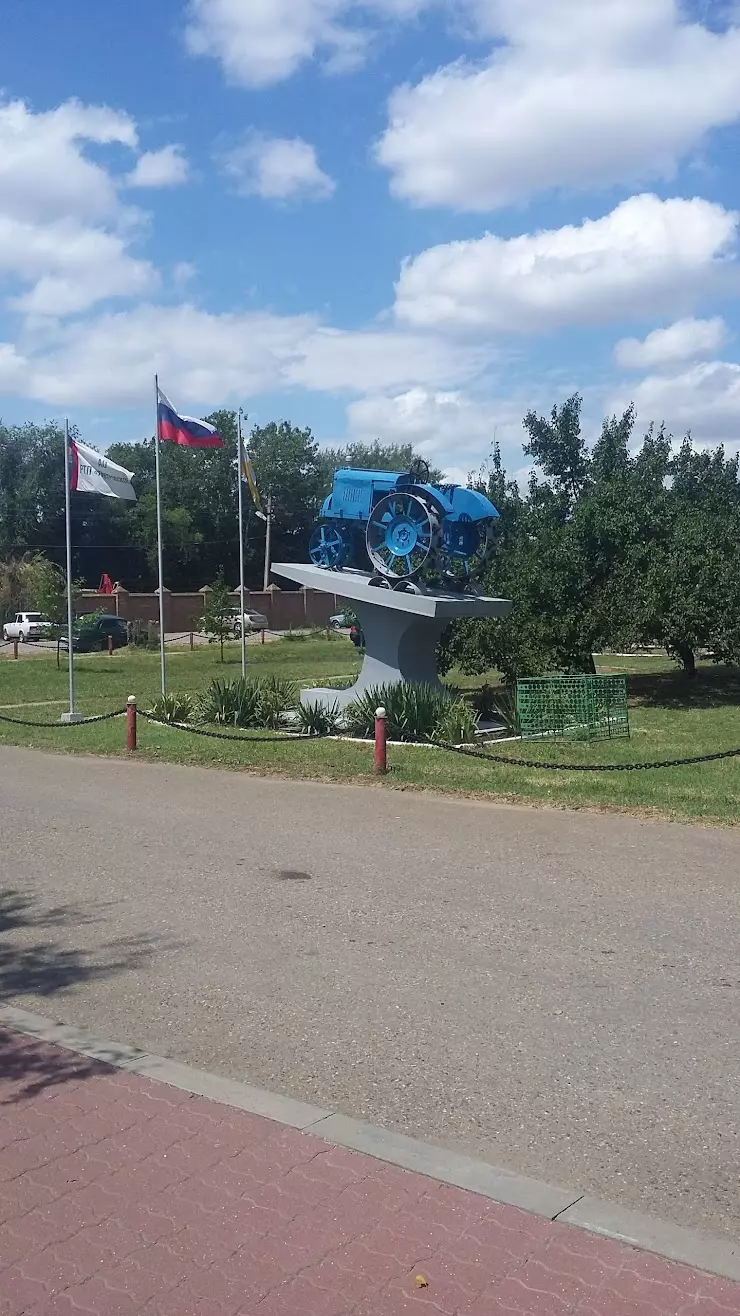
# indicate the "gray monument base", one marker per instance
pixel 401 629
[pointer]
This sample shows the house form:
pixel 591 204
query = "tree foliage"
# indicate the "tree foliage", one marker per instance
pixel 614 545
pixel 617 539
pixel 199 502
pixel 218 613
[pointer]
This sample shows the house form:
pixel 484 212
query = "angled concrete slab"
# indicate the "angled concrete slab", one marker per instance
pixel 401 628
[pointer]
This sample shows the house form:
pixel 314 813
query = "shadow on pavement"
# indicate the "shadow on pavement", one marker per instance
pixel 43 967
pixel 26 1068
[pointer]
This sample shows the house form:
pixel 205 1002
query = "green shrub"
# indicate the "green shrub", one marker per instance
pixel 319 719
pixel 230 703
pixel 497 704
pixel 412 711
pixel 457 723
pixel 276 696
pixel 173 708
pixel 248 702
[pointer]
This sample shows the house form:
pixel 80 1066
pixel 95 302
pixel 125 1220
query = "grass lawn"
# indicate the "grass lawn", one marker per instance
pixel 670 717
pixel 107 682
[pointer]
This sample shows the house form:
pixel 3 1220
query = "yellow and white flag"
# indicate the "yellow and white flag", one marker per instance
pixel 248 475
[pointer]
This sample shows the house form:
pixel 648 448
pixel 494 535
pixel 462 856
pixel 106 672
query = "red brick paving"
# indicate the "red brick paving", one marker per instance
pixel 123 1197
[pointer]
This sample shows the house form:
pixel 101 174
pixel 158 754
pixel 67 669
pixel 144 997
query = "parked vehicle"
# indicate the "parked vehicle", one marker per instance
pixel 90 634
pixel 252 621
pixel 27 626
pixel 337 621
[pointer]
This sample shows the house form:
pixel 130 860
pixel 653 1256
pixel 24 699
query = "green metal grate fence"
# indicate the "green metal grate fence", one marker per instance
pixel 573 707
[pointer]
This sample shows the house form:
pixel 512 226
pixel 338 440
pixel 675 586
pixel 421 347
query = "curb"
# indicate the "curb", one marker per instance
pixel 570 1207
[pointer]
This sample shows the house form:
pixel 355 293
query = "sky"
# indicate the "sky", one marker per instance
pixel 405 219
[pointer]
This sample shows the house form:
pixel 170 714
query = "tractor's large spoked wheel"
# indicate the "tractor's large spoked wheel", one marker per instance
pixel 466 548
pixel 327 547
pixel 402 536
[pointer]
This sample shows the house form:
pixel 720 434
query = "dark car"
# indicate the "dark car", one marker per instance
pixel 90 634
pixel 357 637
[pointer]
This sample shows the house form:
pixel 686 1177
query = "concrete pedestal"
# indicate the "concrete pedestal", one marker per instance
pixel 401 630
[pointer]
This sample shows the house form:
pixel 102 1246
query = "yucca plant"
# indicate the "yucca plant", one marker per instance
pixel 319 719
pixel 230 703
pixel 412 711
pixel 173 708
pixel 276 697
pixel 248 701
pixel 498 704
pixel 457 723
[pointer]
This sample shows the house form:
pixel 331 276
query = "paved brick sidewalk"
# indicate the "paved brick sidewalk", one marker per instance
pixel 119 1195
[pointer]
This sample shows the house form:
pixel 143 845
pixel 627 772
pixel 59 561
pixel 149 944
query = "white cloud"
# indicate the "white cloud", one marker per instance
pixel 13 370
pixel 204 358
pixel 164 168
pixel 576 94
pixel 64 235
pixel 704 399
pixel 183 273
pixel 70 266
pixel 261 42
pixel 646 255
pixel 43 172
pixel 369 360
pixel 681 341
pixel 450 429
pixel 277 169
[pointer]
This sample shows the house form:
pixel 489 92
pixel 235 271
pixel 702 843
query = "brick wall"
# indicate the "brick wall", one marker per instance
pixel 283 608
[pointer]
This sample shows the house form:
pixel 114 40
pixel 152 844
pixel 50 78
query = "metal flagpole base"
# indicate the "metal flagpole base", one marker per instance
pixel 72 717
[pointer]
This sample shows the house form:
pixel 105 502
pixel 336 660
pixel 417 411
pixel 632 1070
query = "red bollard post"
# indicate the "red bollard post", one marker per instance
pixel 381 742
pixel 131 722
pixel 15 647
pixel 110 646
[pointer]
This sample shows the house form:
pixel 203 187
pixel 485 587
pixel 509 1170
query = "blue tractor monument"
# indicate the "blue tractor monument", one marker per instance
pixel 407 555
pixel 406 528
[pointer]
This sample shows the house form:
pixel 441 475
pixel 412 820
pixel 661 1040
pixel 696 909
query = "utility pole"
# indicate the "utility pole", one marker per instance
pixel 268 537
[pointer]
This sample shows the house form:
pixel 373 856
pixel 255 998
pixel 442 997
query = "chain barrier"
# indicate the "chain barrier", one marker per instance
pixel 173 639
pixel 54 726
pixel 469 752
pixel 277 738
pixel 466 751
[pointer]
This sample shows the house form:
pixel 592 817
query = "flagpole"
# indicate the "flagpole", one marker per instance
pixel 241 544
pixel 159 538
pixel 68 529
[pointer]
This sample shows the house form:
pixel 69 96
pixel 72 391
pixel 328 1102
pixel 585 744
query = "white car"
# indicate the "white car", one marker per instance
pixel 252 621
pixel 27 626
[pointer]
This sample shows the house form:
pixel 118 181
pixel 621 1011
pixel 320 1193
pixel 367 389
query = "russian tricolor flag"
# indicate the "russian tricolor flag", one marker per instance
pixel 185 430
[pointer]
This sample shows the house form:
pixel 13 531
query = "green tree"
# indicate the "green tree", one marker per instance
pixel 13 587
pixel 558 448
pixel 691 590
pixel 218 619
pixel 375 456
pixel 46 588
pixel 288 469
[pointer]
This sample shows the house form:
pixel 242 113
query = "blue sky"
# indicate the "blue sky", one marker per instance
pixel 395 218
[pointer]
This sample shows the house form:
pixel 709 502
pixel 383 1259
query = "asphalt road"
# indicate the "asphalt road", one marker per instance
pixel 558 993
